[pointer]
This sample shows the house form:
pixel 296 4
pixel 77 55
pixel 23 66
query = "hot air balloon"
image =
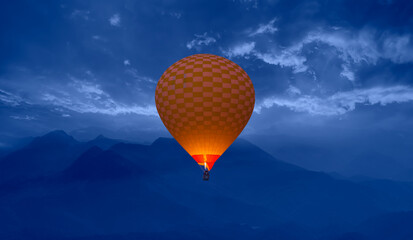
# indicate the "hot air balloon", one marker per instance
pixel 205 101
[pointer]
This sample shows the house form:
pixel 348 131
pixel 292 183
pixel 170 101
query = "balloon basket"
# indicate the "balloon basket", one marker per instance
pixel 205 177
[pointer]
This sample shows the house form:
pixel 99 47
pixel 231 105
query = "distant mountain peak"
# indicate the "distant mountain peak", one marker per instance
pixel 164 140
pixel 57 137
pixel 103 142
pixel 100 137
pixel 60 133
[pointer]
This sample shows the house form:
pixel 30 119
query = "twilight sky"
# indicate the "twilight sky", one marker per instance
pixel 333 79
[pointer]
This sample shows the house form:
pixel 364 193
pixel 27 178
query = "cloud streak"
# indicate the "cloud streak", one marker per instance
pixel 339 103
pixel 80 96
pixel 264 28
pixel 24 117
pixel 240 50
pixel 84 14
pixel 351 48
pixel 199 40
pixel 106 106
pixel 89 97
pixel 134 73
pixel 9 99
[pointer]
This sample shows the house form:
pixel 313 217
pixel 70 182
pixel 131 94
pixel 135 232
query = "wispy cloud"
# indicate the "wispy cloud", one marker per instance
pixel 240 50
pixel 106 106
pixel 339 103
pixel 176 15
pixel 98 38
pixel 9 98
pixel 199 40
pixel 134 73
pixel 90 98
pixel 126 62
pixel 347 73
pixel 292 91
pixel 90 90
pixel 114 20
pixel 284 58
pixel 398 48
pixel 24 117
pixel 84 14
pixel 264 28
pixel 82 95
pixel 351 48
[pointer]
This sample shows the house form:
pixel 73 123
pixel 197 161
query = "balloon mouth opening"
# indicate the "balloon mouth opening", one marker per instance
pixel 206 161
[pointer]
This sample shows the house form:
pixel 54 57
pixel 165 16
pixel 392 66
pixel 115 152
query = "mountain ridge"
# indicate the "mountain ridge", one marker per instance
pixel 160 184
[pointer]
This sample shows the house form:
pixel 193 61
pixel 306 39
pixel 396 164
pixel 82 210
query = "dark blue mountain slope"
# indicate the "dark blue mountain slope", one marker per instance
pixel 134 191
pixel 45 155
pixel 395 195
pixel 102 142
pixel 249 175
pixel 96 164
pixel 398 225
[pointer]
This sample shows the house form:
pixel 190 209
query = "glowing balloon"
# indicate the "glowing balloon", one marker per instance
pixel 205 101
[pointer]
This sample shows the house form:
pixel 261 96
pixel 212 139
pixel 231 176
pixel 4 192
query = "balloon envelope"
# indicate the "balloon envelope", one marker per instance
pixel 205 101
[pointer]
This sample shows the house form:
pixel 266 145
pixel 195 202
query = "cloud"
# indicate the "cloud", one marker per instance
pixel 107 106
pixel 347 73
pixel 84 14
pixel 10 98
pixel 134 73
pixel 284 58
pixel 200 40
pixel 87 90
pixel 115 20
pixel 265 28
pixel 25 117
pixel 84 95
pixel 126 62
pixel 240 50
pixel 292 91
pixel 90 98
pixel 398 49
pixel 97 37
pixel 352 49
pixel 176 15
pixel 340 103
pixel 363 46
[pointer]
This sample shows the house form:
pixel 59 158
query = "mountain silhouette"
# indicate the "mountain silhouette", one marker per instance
pixel 77 190
pixel 47 155
pixel 44 155
pixel 103 142
pixel 96 164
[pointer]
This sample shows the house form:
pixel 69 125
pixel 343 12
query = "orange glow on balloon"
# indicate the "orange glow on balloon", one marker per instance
pixel 205 101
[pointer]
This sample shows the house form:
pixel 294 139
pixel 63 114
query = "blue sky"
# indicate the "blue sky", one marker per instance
pixel 333 79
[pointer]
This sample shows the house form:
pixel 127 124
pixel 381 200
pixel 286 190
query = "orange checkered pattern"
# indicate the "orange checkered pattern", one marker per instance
pixel 205 101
